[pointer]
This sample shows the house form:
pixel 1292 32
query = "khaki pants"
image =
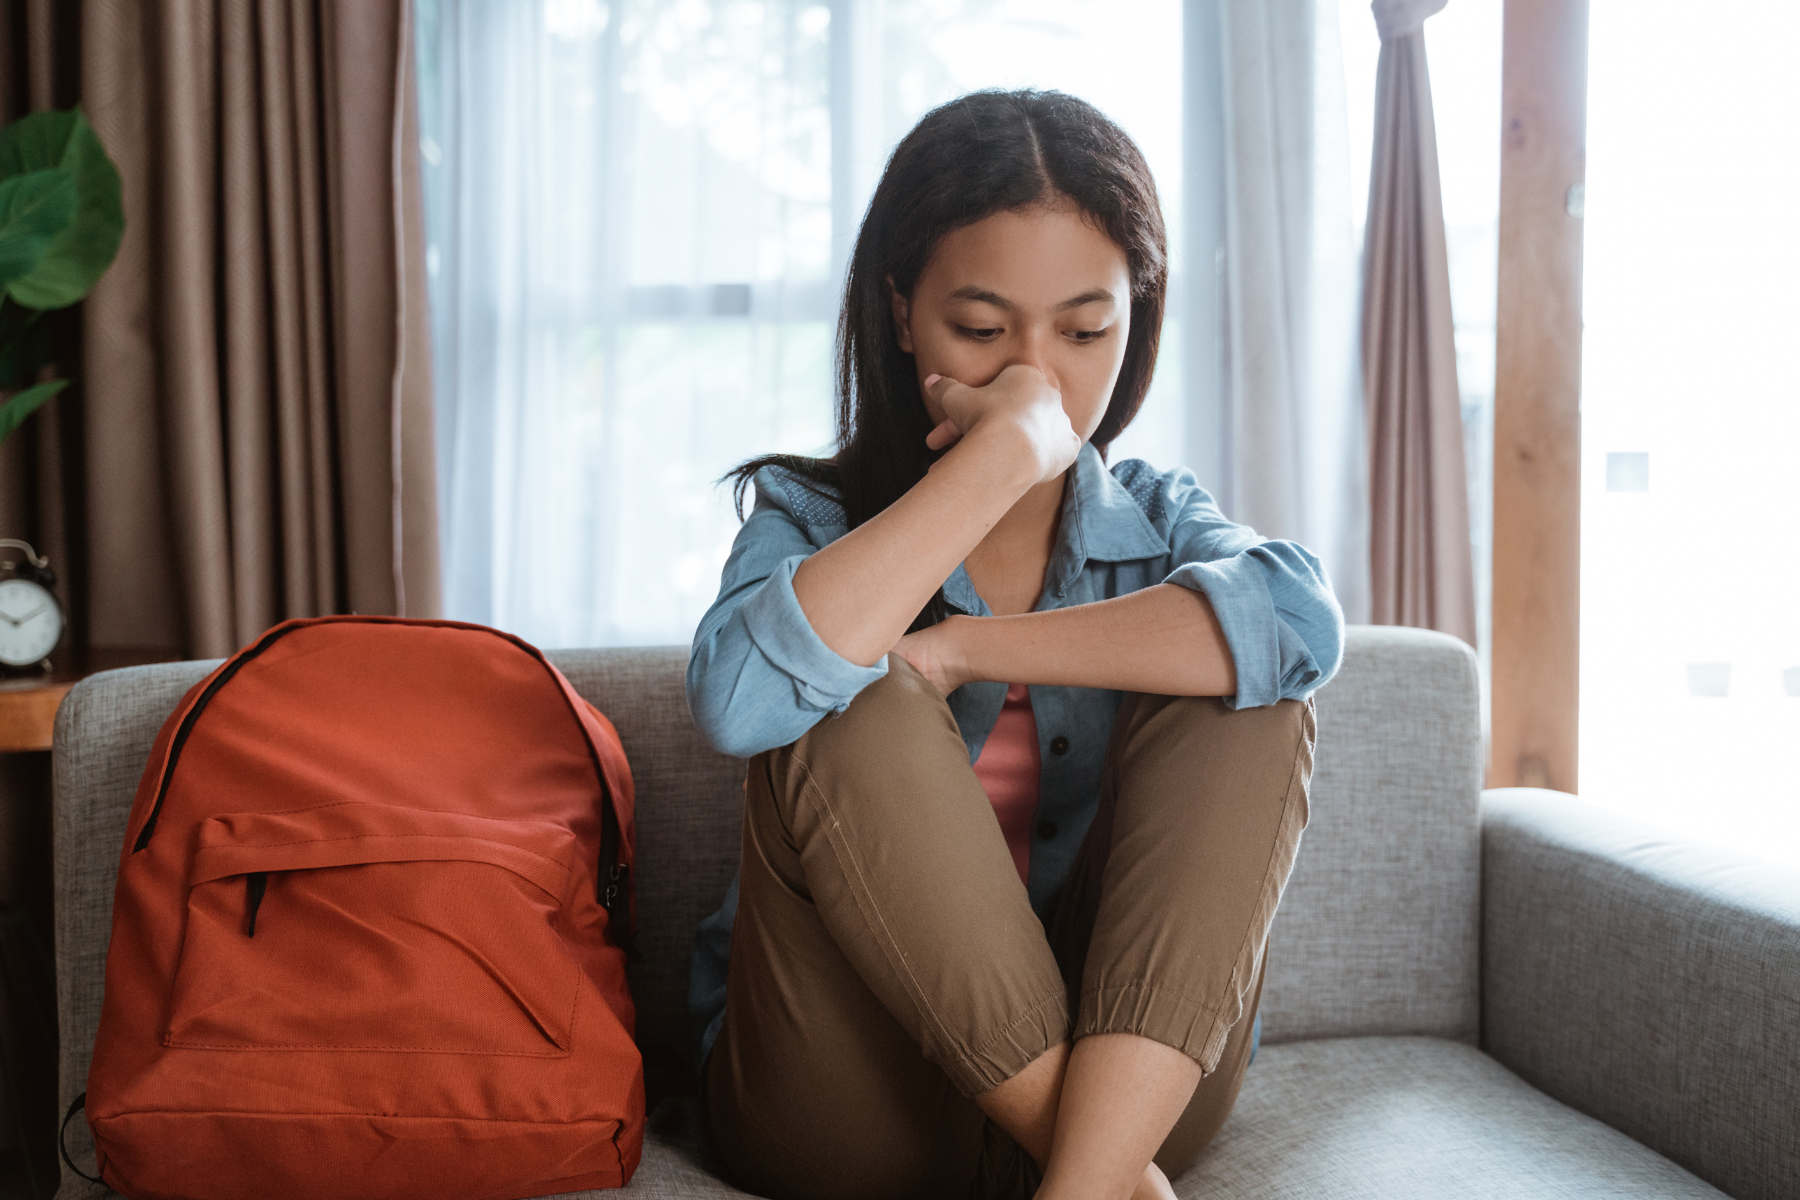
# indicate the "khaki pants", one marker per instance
pixel 886 965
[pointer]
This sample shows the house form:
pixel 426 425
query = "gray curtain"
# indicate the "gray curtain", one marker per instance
pixel 250 436
pixel 1420 558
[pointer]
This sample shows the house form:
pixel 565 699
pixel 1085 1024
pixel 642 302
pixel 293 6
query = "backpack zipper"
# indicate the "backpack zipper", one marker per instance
pixel 611 887
pixel 187 727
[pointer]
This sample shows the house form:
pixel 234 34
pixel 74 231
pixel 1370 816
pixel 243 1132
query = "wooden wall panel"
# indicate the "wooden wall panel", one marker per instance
pixel 1537 397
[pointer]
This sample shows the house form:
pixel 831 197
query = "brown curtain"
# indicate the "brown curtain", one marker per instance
pixel 1420 558
pixel 41 478
pixel 250 435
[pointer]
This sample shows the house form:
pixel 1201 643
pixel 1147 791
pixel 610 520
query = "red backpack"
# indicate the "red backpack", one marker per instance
pixel 367 933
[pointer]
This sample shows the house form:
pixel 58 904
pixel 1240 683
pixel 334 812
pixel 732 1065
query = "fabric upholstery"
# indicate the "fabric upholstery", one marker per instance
pixel 1416 1119
pixel 1376 933
pixel 690 805
pixel 1649 981
pixel 104 730
pixel 1341 1119
pixel 678 1164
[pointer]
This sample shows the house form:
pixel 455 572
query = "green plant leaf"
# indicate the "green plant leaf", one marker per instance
pixel 80 254
pixel 15 410
pixel 34 209
pixel 36 141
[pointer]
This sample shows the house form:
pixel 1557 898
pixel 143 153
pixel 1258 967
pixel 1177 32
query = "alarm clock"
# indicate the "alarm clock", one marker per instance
pixel 31 620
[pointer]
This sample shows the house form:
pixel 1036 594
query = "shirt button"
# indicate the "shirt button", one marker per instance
pixel 1046 829
pixel 1059 745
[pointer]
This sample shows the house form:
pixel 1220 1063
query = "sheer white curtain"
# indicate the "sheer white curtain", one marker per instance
pixel 1275 396
pixel 639 211
pixel 629 213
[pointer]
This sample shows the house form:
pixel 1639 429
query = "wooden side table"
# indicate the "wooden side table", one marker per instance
pixel 28 711
pixel 28 703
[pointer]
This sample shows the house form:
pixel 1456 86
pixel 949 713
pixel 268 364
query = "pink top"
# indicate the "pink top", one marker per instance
pixel 1008 771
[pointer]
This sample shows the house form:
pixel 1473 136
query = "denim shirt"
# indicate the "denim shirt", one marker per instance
pixel 760 677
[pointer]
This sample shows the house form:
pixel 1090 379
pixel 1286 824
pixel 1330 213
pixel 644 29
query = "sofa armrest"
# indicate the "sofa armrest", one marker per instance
pixel 1651 982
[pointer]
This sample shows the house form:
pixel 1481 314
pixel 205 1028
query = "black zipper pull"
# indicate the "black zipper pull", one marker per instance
pixel 255 884
pixel 612 899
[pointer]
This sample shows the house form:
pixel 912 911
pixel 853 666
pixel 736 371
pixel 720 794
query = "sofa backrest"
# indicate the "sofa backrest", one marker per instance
pixel 690 810
pixel 1375 935
pixel 1378 930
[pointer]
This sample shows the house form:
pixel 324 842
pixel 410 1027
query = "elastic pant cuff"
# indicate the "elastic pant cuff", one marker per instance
pixel 985 1067
pixel 1160 1014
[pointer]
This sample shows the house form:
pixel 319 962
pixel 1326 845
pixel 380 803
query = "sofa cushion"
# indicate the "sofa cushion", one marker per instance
pixel 1424 1118
pixel 1341 1119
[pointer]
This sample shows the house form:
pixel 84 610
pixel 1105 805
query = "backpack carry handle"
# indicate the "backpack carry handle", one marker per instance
pixel 62 1138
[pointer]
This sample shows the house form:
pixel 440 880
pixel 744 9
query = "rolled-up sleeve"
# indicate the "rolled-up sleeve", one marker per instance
pixel 1275 605
pixel 759 676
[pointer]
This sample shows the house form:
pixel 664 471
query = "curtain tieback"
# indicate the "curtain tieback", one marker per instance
pixel 1397 18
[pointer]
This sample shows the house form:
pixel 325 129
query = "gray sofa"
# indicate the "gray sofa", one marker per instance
pixel 1510 996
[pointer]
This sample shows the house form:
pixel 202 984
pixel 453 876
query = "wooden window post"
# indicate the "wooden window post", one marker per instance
pixel 1537 397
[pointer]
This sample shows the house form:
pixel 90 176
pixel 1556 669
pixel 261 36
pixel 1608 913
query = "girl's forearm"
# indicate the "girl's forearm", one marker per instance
pixel 861 592
pixel 1164 640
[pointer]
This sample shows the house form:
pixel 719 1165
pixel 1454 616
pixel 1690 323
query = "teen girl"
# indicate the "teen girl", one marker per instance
pixel 1029 736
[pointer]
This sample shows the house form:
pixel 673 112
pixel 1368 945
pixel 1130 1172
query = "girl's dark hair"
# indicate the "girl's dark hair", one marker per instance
pixel 980 154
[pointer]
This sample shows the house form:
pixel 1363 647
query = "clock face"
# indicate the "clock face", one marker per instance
pixel 31 622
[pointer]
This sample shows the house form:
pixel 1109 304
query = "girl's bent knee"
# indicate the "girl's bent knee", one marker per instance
pixel 899 713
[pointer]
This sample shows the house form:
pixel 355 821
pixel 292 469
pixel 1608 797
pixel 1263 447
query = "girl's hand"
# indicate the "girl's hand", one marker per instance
pixel 1020 404
pixel 937 654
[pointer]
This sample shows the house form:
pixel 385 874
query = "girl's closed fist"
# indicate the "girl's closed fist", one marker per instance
pixel 1020 405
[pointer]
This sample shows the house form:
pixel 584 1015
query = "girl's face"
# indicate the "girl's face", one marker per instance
pixel 1041 287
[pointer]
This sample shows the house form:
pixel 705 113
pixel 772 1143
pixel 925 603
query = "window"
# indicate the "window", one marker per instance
pixel 1690 627
pixel 639 212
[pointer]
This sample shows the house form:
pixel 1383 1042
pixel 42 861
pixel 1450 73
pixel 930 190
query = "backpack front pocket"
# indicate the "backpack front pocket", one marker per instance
pixel 375 927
